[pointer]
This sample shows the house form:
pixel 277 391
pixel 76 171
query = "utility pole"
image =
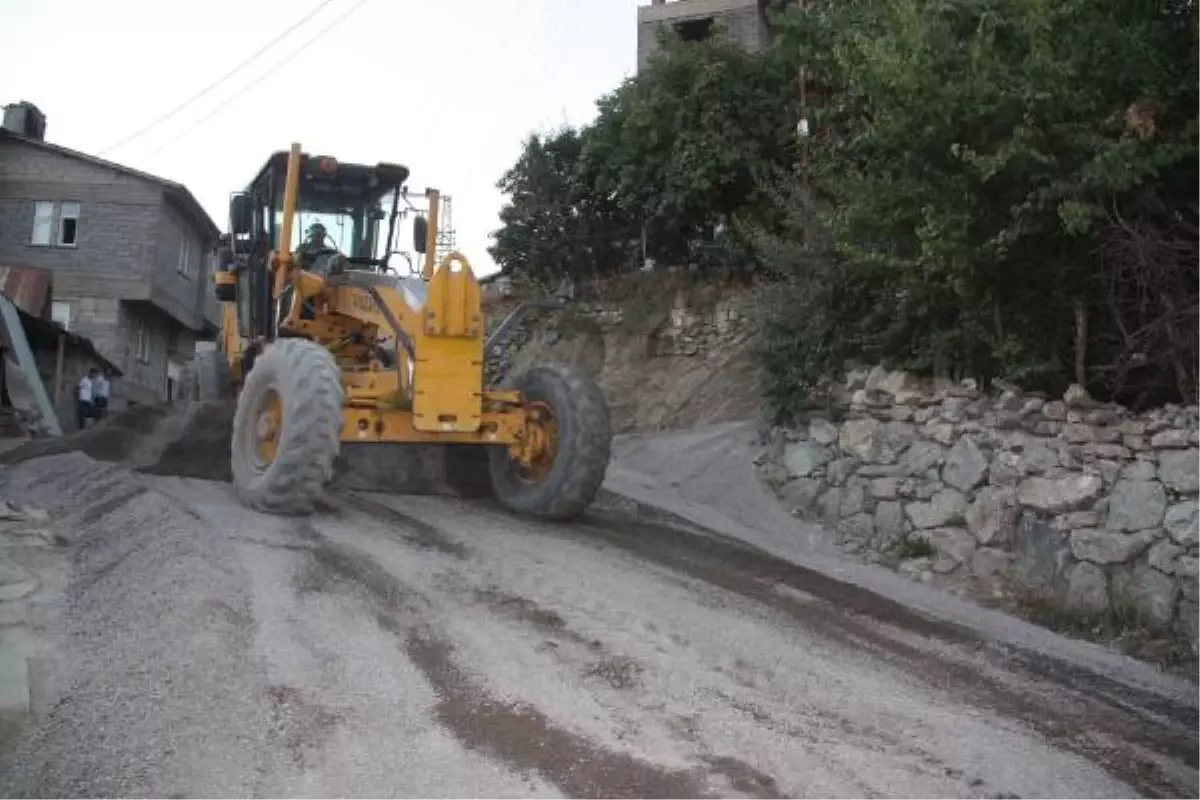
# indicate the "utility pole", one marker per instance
pixel 802 131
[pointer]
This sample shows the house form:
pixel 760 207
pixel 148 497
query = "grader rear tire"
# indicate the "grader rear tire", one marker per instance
pixel 287 429
pixel 568 484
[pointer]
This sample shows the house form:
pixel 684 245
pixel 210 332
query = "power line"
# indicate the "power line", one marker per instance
pixel 156 122
pixel 270 71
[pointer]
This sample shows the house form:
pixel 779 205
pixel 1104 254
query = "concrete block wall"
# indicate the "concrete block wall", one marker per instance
pixel 739 18
pixel 112 326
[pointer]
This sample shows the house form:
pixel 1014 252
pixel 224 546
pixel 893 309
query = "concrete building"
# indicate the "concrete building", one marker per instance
pixel 697 20
pixel 129 252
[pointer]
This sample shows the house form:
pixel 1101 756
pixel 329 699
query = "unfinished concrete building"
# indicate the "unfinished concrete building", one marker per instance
pixel 696 20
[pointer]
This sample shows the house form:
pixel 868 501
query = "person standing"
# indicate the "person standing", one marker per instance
pixel 84 395
pixel 100 389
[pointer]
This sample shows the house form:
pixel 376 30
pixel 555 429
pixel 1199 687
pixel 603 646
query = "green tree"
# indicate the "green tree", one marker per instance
pixel 688 142
pixel 552 226
pixel 969 154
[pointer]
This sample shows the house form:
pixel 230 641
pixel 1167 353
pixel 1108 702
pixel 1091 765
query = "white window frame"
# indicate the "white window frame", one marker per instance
pixel 49 223
pixel 185 257
pixel 62 311
pixel 42 233
pixel 68 209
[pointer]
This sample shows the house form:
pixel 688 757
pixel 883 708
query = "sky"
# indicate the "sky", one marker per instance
pixel 449 88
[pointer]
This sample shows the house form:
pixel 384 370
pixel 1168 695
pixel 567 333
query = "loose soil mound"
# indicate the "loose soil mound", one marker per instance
pixel 200 449
pixel 193 441
pixel 187 440
pixel 112 439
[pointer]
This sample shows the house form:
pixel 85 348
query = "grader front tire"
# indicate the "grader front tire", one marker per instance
pixel 287 428
pixel 566 486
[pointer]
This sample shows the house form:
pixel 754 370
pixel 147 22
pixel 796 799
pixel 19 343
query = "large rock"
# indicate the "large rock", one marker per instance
pixel 1139 471
pixel 1101 546
pixel 1182 522
pixel 859 438
pixel 852 500
pixel 923 456
pixel 869 441
pixel 1060 495
pixel 993 515
pixel 885 488
pixel 1180 469
pixel 800 494
pixel 1087 590
pixel 889 523
pixel 966 465
pixel 1171 439
pixel 822 431
pixel 1162 556
pixel 946 507
pixel 1042 553
pixel 1189 623
pixel 1037 457
pixel 856 530
pixel 1148 593
pixel 895 437
pixel 1136 505
pixel 940 432
pixel 802 458
pixel 953 546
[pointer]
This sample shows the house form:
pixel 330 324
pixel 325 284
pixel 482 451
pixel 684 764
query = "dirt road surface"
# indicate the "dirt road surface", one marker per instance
pixel 417 646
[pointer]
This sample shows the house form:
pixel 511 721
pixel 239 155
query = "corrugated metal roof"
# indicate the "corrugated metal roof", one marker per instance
pixel 27 287
pixel 30 290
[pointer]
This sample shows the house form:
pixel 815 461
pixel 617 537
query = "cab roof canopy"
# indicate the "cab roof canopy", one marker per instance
pixel 327 184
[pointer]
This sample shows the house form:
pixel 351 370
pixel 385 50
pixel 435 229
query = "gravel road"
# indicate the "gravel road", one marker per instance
pixel 439 647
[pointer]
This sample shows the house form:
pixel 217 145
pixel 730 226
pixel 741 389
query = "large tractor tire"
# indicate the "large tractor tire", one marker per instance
pixel 212 376
pixel 561 486
pixel 287 428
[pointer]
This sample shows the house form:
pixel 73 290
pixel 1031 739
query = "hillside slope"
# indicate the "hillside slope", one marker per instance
pixel 677 366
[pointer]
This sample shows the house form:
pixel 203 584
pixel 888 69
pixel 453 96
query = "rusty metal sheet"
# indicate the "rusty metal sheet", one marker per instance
pixel 28 288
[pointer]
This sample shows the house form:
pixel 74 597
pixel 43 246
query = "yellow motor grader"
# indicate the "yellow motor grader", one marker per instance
pixel 330 349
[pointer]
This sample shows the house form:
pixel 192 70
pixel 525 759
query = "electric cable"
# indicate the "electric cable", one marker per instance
pixel 159 120
pixel 270 71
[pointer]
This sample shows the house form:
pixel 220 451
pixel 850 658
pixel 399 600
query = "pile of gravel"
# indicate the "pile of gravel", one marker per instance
pixel 154 682
pixel 189 440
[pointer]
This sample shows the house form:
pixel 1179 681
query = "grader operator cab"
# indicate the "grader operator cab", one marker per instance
pixel 329 349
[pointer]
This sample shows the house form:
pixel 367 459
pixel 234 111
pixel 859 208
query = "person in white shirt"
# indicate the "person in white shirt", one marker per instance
pixel 85 395
pixel 100 388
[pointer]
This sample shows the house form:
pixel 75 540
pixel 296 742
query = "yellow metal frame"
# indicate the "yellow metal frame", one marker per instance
pixel 445 400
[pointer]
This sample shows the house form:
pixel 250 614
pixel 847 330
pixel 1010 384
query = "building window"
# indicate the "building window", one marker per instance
pixel 68 224
pixel 695 30
pixel 60 312
pixel 143 343
pixel 43 223
pixel 185 256
pixel 45 214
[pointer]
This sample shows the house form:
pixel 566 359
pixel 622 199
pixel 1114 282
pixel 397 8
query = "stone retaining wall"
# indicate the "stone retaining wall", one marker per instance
pixel 1008 497
pixel 677 327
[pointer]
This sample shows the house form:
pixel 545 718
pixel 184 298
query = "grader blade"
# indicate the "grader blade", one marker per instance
pixel 416 469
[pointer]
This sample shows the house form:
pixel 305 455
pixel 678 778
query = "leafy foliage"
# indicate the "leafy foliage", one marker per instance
pixel 970 153
pixel 1005 188
pixel 688 143
pixel 680 148
pixel 553 225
